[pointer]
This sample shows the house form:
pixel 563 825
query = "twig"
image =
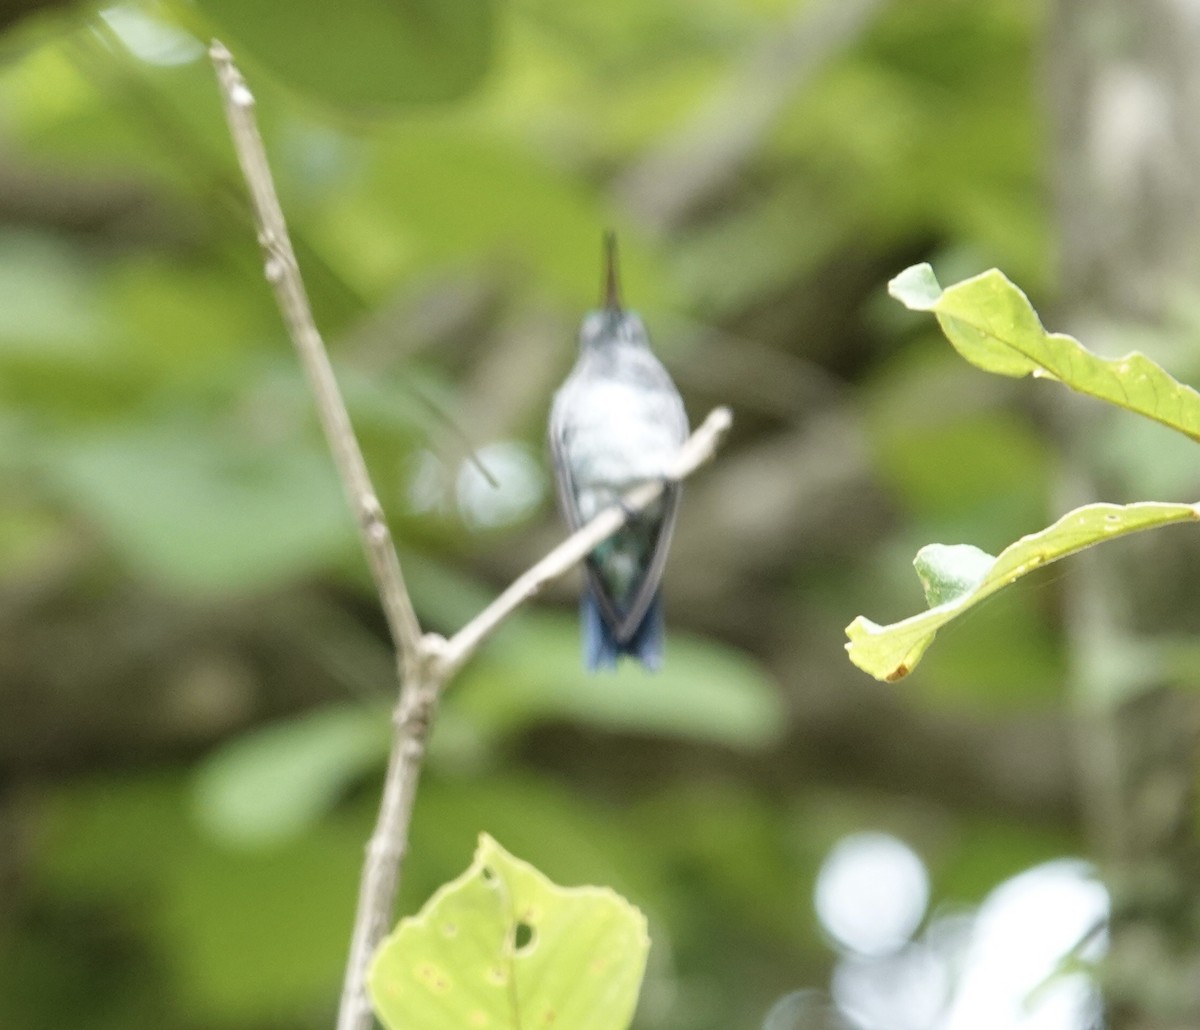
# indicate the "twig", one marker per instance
pixel 284 276
pixel 712 147
pixel 425 662
pixel 418 691
pixel 440 659
pixel 698 449
pixel 388 846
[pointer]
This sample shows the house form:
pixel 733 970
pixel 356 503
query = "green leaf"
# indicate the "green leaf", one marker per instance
pixel 273 783
pixel 205 511
pixel 991 323
pixel 504 948
pixel 368 56
pixel 892 652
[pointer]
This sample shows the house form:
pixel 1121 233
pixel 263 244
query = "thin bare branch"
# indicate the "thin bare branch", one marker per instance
pixel 424 662
pixel 418 687
pixel 698 449
pixel 388 846
pixel 283 274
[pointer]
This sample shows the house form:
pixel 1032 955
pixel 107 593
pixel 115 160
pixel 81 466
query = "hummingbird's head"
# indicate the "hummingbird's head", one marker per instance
pixel 612 323
pixel 606 327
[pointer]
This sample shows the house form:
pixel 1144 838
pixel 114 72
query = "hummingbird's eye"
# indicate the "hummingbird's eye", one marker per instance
pixel 592 328
pixel 633 328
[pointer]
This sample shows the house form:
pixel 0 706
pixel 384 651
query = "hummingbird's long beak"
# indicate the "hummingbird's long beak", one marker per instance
pixel 612 283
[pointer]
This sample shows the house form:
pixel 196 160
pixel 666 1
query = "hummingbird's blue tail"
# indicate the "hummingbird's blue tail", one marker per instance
pixel 601 648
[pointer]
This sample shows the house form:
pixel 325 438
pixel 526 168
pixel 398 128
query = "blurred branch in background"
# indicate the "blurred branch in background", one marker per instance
pixel 115 209
pixel 690 169
pixel 1125 85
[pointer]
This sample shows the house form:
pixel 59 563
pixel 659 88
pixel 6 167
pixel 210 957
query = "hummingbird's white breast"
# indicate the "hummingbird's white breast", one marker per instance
pixel 618 428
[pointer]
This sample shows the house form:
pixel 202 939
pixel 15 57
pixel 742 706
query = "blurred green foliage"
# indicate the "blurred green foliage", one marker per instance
pixel 375 56
pixel 194 680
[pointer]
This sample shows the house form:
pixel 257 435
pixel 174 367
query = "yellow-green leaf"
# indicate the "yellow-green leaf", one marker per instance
pixel 503 948
pixel 991 323
pixel 892 652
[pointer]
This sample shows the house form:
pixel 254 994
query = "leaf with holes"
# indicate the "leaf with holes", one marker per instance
pixel 957 578
pixel 503 948
pixel 991 323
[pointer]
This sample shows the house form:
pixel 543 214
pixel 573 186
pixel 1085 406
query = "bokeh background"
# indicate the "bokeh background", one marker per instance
pixel 194 676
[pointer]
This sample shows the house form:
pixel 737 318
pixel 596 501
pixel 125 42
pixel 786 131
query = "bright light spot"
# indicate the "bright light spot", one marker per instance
pixel 1000 968
pixel 519 490
pixel 1023 931
pixel 903 991
pixel 871 893
pixel 152 40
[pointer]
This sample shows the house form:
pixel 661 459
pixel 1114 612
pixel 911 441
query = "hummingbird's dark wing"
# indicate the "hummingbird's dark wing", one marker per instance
pixel 659 517
pixel 626 624
pixel 557 436
pixel 568 503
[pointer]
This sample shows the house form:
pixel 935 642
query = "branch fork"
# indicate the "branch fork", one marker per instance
pixel 425 661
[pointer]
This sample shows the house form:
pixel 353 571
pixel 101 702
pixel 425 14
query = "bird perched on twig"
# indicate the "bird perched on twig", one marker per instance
pixel 616 422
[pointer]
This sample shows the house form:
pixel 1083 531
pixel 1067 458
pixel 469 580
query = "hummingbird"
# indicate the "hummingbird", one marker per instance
pixel 616 422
